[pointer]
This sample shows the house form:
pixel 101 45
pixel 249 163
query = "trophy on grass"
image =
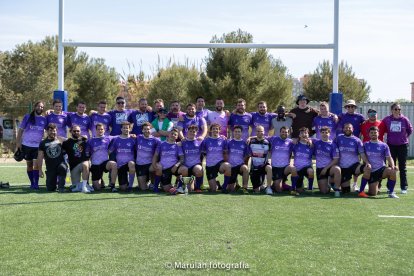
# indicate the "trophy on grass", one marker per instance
pixel 186 180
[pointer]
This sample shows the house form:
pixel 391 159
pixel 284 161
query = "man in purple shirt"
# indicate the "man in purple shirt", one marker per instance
pixel 190 119
pixel 124 147
pixel 302 161
pixel 238 157
pixel 350 116
pixel 81 119
pixel 398 129
pixel 140 116
pixel 350 149
pixel 191 149
pixel 215 148
pixel 29 136
pixel 101 117
pixel 219 116
pixel 200 110
pixel 59 118
pixel 325 119
pixel 98 148
pixel 118 116
pixel 281 152
pixel 170 163
pixel 262 118
pixel 241 118
pixel 146 145
pixel 327 157
pixel 376 152
pixel 175 112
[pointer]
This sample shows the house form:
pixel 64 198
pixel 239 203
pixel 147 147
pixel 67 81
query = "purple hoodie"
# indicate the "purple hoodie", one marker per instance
pixel 398 130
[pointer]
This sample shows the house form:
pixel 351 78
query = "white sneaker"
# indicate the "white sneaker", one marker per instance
pixel 77 188
pixel 90 188
pixel 404 192
pixel 337 194
pixel 269 191
pixel 355 187
pixel 393 195
pixel 180 190
pixel 85 190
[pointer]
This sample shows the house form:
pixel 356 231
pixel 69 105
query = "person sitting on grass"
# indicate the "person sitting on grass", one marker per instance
pixel 238 156
pixel 302 160
pixel 376 152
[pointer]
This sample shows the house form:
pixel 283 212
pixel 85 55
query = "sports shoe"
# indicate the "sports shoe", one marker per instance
pixel 269 191
pixel 151 186
pixel 90 188
pixel 180 190
pixel 404 192
pixel 114 190
pixel 173 191
pixel 362 194
pixel 295 193
pixel 237 187
pixel 129 189
pixel 198 191
pixel 76 188
pixel 337 194
pixel 85 190
pixel 355 187
pixel 61 190
pixel 245 191
pixel 393 195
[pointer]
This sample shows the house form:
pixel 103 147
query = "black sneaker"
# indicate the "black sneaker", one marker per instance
pixel 61 190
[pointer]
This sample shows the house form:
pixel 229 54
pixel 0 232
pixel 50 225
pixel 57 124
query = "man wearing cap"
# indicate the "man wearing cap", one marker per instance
pixel 161 125
pixel 370 122
pixel 302 116
pixel 350 116
pixel 281 120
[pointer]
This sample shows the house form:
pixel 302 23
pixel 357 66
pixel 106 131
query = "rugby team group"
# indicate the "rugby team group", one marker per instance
pixel 153 144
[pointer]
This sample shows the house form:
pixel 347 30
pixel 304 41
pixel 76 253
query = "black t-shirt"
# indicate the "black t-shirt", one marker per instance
pixel 53 152
pixel 76 151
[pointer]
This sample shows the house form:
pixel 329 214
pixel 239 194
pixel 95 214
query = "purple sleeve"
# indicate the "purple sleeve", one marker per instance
pixel 360 147
pixel 387 151
pixel 409 128
pixel 180 150
pixel 230 122
pixel 112 146
pixel 24 121
pixel 130 118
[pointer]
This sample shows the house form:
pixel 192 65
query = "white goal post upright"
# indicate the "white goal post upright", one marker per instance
pixel 335 97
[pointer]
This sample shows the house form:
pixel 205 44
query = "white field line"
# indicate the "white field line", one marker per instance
pixel 391 216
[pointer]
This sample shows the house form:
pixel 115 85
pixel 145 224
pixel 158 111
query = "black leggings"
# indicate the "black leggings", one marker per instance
pixel 400 153
pixel 52 176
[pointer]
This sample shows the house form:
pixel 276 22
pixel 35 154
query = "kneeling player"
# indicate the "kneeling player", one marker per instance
pixel 302 161
pixel 376 152
pixel 281 152
pixel 215 148
pixel 238 152
pixel 327 157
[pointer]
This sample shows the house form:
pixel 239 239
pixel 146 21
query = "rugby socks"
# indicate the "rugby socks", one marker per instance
pixel 179 183
pixel 131 180
pixel 157 181
pixel 294 180
pixel 225 183
pixel 310 183
pixel 35 179
pixel 391 185
pixel 364 182
pixel 30 175
pixel 198 183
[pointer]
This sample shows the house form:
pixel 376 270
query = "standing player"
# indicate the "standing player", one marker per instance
pixel 59 118
pixel 350 149
pixel 200 110
pixel 372 121
pixel 100 117
pixel 281 120
pixel 215 148
pixel 262 118
pixel 327 157
pixel 219 116
pixel 161 126
pixel 259 148
pixel 376 152
pixel 241 118
pixel 98 148
pixel 190 119
pixel 118 116
pixel 145 146
pixel 325 119
pixel 302 160
pixel 140 116
pixel 124 147
pixel 302 116
pixel 175 112
pixel 281 152
pixel 80 119
pixel 238 152
pixel 29 136
pixel 191 149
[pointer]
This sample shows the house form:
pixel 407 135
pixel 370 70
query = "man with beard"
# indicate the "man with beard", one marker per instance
pixel 241 118
pixel 370 122
pixel 238 152
pixel 175 112
pixel 75 148
pixel 101 117
pixel 302 116
pixel 59 118
pixel 119 116
pixel 281 120
pixel 190 119
pixel 200 110
pixel 261 118
pixel 29 136
pixel 220 116
pixel 50 149
pixel 302 160
pixel 80 119
pixel 140 116
pixel 325 119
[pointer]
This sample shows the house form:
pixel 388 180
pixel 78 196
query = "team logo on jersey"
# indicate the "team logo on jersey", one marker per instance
pixel 351 143
pixel 128 144
pixel 149 143
pixel 106 121
pixel 42 123
pixel 53 150
pixel 246 120
pixel 84 121
pixel 378 148
pixel 330 122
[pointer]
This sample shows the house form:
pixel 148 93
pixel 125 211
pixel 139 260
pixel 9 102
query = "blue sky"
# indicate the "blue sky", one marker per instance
pixel 376 37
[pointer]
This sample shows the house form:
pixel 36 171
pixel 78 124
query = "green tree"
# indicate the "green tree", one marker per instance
pixel 320 83
pixel 251 74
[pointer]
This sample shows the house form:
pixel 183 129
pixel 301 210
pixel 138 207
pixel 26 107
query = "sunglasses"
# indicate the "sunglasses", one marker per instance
pixel 75 131
pixel 120 102
pixel 397 109
pixel 350 106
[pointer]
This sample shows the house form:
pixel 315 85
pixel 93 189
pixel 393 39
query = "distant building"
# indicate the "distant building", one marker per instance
pixel 412 91
pixel 298 85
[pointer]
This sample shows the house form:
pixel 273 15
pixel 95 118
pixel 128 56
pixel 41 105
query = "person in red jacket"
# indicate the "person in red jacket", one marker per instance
pixel 367 124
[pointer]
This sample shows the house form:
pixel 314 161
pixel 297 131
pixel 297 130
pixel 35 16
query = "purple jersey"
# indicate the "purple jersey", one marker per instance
pixel 261 120
pixel 145 149
pixel 192 152
pixel 376 153
pixel 319 122
pixel 117 117
pixel 173 117
pixel 83 121
pixel 33 132
pixel 350 147
pixel 355 119
pixel 324 152
pixel 97 148
pixel 104 119
pixel 215 117
pixel 202 113
pixel 302 156
pixel 138 118
pixel 238 150
pixel 198 121
pixel 169 154
pixel 281 151
pixel 242 120
pixel 61 122
pixel 124 149
pixel 214 149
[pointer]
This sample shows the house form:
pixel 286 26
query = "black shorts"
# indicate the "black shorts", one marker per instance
pixel 123 175
pixel 319 176
pixel 347 173
pixel 142 170
pixel 376 176
pixel 190 170
pixel 212 171
pixel 256 176
pixel 98 170
pixel 302 173
pixel 166 176
pixel 278 173
pixel 235 171
pixel 30 153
